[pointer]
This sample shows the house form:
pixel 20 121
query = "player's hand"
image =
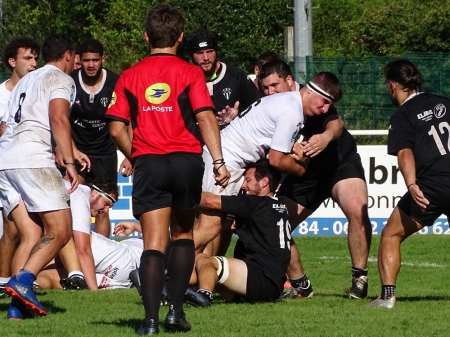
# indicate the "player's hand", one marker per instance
pixel 124 229
pixel 82 159
pixel 418 196
pixel 72 175
pixel 298 153
pixel 316 144
pixel 126 168
pixel 229 113
pixel 221 175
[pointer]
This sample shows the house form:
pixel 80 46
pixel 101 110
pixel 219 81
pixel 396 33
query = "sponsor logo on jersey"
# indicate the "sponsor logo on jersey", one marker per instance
pixel 425 116
pixel 104 101
pixel 113 99
pixel 77 102
pixel 227 93
pixel 440 110
pixel 72 94
pixel 157 93
pixel 296 133
pixel 280 208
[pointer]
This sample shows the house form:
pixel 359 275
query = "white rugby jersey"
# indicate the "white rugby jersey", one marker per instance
pixel 4 98
pixel 26 142
pixel 115 260
pixel 80 207
pixel 272 122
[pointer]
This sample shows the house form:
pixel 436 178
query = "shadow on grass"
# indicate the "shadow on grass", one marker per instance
pixel 422 298
pixel 50 306
pixel 133 323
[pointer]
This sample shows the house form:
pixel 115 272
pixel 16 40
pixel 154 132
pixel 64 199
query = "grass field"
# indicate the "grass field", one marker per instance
pixel 423 305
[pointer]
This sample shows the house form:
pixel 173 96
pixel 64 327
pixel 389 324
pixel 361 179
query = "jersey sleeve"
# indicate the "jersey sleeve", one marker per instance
pixel 80 209
pixel 288 122
pixel 400 134
pixel 198 93
pixel 119 107
pixel 240 205
pixel 64 87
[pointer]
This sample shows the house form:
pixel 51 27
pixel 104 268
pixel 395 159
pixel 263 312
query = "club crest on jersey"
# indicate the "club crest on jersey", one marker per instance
pixel 296 133
pixel 157 93
pixel 113 99
pixel 440 110
pixel 104 101
pixel 227 93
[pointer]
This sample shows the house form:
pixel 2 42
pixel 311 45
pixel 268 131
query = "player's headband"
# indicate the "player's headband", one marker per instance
pixel 319 91
pixel 103 193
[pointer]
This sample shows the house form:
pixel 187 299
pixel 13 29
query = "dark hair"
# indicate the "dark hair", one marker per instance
pixel 278 67
pixel 265 57
pixel 201 39
pixel 105 184
pixel 264 169
pixel 90 46
pixel 54 47
pixel 404 73
pixel 164 25
pixel 328 82
pixel 12 48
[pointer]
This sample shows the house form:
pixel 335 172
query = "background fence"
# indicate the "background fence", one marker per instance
pixel 365 104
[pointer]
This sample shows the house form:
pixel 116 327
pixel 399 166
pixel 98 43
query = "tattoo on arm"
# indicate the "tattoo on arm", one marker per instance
pixel 43 242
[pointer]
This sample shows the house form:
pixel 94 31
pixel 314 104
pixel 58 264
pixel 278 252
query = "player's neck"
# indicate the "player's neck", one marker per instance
pixel 92 82
pixel 168 50
pixel 12 81
pixel 402 96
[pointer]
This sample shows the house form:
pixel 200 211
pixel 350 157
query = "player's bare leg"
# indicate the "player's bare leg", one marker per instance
pixel 208 226
pixel 8 246
pixel 354 206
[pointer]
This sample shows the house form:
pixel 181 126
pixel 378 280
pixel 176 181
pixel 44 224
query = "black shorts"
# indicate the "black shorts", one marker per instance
pixel 437 193
pixel 173 180
pixel 312 189
pixel 259 287
pixel 101 167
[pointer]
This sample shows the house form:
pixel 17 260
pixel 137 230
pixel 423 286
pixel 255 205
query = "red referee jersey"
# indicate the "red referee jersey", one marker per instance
pixel 161 96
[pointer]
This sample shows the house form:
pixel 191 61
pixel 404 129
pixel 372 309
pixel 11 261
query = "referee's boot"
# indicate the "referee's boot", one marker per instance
pixel 176 323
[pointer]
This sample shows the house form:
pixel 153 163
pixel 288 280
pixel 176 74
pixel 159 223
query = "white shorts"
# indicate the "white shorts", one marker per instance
pixel 41 189
pixel 209 183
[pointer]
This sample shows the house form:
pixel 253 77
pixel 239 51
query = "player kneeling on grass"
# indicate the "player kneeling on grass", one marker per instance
pixel 258 270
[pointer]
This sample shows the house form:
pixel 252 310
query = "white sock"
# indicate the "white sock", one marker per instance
pixel 4 279
pixel 76 272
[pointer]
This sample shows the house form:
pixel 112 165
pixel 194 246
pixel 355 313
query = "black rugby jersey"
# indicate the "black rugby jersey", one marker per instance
pixel 422 124
pixel 264 232
pixel 90 129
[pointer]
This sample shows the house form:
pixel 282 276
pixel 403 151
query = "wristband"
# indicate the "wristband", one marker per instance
pixel 70 164
pixel 217 162
pixel 407 187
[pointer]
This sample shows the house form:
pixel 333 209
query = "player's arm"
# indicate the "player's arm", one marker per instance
pixel 119 134
pixel 209 129
pixel 125 228
pixel 59 120
pixel 287 163
pixel 211 201
pixel 84 252
pixel 407 167
pixel 317 143
pixel 126 168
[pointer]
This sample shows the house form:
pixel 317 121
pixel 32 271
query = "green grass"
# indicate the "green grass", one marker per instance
pixel 422 308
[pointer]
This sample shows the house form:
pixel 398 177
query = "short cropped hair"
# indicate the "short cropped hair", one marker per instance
pixel 90 46
pixel 328 82
pixel 55 46
pixel 106 185
pixel 164 25
pixel 264 169
pixel 12 48
pixel 265 57
pixel 405 73
pixel 278 67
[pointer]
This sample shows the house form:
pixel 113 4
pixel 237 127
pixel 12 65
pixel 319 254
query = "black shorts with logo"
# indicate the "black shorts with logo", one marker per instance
pixel 173 180
pixel 312 189
pixel 437 191
pixel 101 167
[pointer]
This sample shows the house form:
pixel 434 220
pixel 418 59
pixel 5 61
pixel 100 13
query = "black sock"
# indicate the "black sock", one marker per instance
pixel 299 282
pixel 387 292
pixel 357 272
pixel 179 267
pixel 151 273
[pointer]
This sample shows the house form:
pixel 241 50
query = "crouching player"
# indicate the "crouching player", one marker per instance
pixel 258 270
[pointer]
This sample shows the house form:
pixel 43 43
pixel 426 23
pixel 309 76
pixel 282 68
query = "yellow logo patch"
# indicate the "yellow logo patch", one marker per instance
pixel 157 93
pixel 113 99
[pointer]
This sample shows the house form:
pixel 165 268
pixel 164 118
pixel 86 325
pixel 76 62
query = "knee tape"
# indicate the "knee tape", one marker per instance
pixel 223 271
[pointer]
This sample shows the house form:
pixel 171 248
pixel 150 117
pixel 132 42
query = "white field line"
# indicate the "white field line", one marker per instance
pixel 374 259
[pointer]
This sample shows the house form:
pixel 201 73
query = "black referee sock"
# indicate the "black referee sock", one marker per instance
pixel 299 282
pixel 357 272
pixel 179 267
pixel 387 292
pixel 151 273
